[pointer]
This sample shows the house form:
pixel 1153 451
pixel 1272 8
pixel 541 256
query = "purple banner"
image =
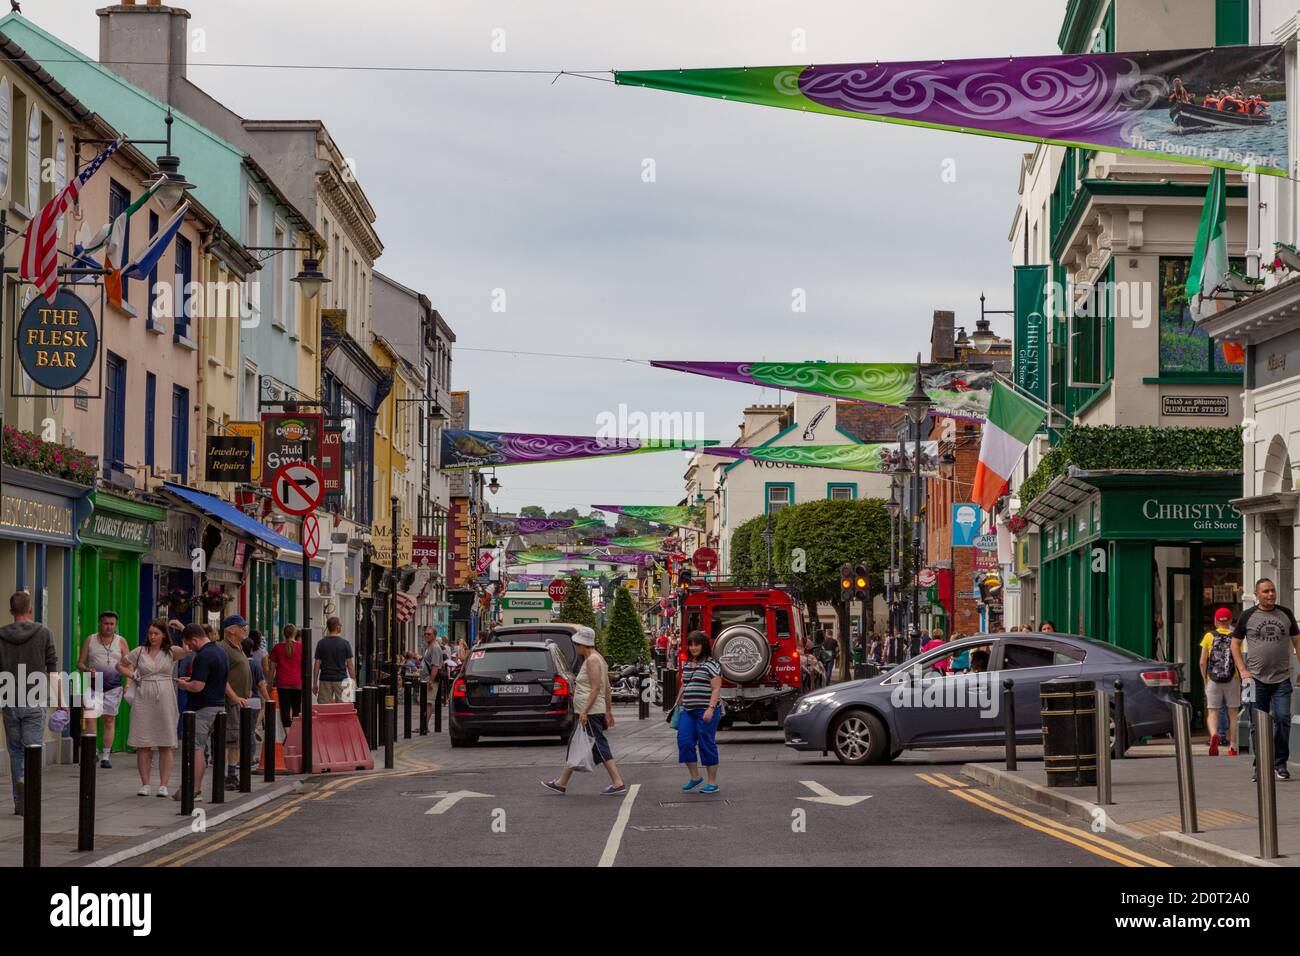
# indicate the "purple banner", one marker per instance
pixel 476 449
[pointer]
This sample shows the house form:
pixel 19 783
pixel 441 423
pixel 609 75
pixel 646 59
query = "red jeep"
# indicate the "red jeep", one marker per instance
pixel 756 635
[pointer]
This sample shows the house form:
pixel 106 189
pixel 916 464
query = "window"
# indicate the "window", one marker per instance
pixel 1015 656
pixel 181 433
pixel 277 277
pixel 34 160
pixel 153 273
pixel 150 417
pixel 1184 346
pixel 846 492
pixel 119 198
pixel 6 132
pixel 723 616
pixel 114 413
pixel 1231 22
pixel 184 276
pixel 778 496
pixel 1087 334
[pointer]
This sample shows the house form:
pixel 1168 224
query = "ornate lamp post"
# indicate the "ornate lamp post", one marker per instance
pixel 918 406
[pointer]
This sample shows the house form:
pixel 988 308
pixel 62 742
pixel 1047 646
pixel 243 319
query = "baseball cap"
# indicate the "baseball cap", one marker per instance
pixel 584 636
pixel 1222 614
pixel 234 620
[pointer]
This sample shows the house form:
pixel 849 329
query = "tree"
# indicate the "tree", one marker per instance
pixel 532 511
pixel 625 637
pixel 577 609
pixel 566 513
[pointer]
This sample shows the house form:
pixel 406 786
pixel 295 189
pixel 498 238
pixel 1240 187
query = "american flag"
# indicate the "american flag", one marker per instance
pixel 40 244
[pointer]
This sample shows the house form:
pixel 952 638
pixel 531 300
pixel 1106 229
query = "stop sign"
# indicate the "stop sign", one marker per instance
pixel 557 589
pixel 704 559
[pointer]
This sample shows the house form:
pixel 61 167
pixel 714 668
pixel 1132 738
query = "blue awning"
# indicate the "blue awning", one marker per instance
pixel 225 511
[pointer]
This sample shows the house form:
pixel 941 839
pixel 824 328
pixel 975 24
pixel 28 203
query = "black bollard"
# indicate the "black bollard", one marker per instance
pixel 362 702
pixel 372 722
pixel 75 729
pixel 407 704
pixel 438 700
pixel 86 796
pixel 187 763
pixel 268 743
pixel 1121 725
pixel 645 687
pixel 1009 720
pixel 218 748
pixel 390 731
pixel 33 763
pixel 670 689
pixel 424 708
pixel 246 722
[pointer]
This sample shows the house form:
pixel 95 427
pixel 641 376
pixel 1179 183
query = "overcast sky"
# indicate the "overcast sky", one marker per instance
pixel 485 182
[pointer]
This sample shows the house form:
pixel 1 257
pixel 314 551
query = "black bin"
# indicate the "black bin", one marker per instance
pixel 1069 709
pixel 669 689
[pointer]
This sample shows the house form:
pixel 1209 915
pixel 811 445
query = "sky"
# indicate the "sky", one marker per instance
pixel 535 188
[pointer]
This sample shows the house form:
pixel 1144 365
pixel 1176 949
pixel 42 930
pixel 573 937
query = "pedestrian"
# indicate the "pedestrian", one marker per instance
pixel 259 651
pixel 260 692
pixel 826 651
pixel 206 687
pixel 1047 627
pixel 333 664
pixel 26 648
pixel 100 653
pixel 700 713
pixel 431 668
pixel 1271 637
pixel 154 707
pixel 594 706
pixel 284 673
pixel 1221 680
pixel 239 688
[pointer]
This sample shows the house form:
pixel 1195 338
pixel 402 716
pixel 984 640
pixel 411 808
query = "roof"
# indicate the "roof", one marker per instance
pixel 868 423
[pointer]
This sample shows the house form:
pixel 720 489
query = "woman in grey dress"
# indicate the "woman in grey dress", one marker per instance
pixel 153 712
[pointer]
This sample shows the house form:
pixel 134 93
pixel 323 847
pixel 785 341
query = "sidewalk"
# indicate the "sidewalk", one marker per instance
pixel 1145 794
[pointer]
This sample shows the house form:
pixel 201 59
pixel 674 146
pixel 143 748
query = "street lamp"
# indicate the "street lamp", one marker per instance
pixel 172 186
pixel 309 278
pixel 494 486
pixel 984 338
pixel 918 404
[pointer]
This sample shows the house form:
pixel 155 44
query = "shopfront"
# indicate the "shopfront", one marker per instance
pixel 39 519
pixel 1141 559
pixel 171 563
pixel 111 575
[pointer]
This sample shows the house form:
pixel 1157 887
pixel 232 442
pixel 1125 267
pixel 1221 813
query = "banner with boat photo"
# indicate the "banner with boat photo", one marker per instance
pixel 1221 106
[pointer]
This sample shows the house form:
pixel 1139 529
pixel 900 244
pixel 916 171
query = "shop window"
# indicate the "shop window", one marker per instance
pixel 1185 347
pixel 779 496
pixel 150 416
pixel 181 433
pixel 184 276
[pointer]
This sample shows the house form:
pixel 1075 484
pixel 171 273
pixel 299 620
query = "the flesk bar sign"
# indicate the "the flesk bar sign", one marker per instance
pixel 58 342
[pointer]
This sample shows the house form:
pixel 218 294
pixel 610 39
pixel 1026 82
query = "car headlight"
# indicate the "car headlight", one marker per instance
pixel 808 703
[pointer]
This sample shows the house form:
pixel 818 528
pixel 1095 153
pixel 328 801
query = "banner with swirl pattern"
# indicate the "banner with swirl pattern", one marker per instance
pixel 1222 106
pixel 542 525
pixel 679 516
pixel 462 448
pixel 961 393
pixel 873 456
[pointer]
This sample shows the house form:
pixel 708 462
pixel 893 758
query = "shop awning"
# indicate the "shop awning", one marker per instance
pixel 227 513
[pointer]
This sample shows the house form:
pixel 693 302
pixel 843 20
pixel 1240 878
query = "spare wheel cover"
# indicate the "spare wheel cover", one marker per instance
pixel 743 653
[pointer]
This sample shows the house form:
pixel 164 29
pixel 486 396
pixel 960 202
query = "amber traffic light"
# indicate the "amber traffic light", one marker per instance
pixel 860 582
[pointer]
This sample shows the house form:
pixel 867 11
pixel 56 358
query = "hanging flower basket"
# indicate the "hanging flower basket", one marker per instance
pixel 1017 524
pixel 215 599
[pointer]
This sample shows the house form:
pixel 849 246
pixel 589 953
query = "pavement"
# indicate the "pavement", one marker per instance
pixel 484 806
pixel 127 825
pixel 1145 794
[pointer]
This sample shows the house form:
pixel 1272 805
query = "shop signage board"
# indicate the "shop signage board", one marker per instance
pixel 108 527
pixel 229 458
pixel 424 549
pixel 253 432
pixel 966 520
pixel 35 515
pixel 288 438
pixel 381 537
pixel 1174 513
pixel 1198 405
pixel 331 460
pixel 1030 330
pixel 526 603
pixel 58 342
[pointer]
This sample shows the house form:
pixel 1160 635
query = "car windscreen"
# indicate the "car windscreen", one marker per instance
pixel 498 662
pixel 723 616
pixel 560 638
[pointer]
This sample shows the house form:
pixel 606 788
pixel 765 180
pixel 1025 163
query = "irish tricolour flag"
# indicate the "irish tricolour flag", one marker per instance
pixel 1210 257
pixel 1013 420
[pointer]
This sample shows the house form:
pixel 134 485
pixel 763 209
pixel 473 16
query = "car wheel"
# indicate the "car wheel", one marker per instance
pixel 462 740
pixel 858 737
pixel 1128 737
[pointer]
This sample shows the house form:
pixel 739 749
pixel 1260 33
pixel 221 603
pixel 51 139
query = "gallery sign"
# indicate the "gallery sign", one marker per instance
pixel 229 458
pixel 57 342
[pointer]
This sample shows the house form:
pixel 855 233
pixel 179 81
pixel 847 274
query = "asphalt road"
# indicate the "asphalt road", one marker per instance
pixel 484 806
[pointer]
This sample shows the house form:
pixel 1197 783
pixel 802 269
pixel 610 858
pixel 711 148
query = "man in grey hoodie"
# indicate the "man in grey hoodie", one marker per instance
pixel 26 648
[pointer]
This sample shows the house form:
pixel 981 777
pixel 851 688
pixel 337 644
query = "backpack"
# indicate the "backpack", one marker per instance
pixel 1222 669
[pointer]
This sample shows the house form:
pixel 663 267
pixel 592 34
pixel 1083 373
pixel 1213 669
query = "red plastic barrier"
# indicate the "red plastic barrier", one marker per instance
pixel 337 742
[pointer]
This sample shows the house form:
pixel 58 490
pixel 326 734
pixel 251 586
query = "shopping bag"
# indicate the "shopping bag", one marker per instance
pixel 579 755
pixel 349 691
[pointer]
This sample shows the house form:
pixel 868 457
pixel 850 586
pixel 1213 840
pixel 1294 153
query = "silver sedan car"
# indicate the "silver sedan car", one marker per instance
pixel 951 696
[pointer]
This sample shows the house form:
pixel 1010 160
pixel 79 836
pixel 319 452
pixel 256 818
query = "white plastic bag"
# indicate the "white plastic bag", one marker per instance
pixel 349 691
pixel 580 746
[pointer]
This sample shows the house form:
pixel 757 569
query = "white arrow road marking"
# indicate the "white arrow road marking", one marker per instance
pixel 825 795
pixel 447 800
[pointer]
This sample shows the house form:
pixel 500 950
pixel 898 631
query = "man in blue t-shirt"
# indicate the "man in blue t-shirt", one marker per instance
pixel 206 687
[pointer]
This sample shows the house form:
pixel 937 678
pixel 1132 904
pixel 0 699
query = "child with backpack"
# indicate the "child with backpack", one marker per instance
pixel 1222 682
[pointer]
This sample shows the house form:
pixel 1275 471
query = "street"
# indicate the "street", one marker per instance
pixel 483 806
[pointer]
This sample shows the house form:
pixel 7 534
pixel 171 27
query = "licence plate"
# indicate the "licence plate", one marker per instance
pixel 509 688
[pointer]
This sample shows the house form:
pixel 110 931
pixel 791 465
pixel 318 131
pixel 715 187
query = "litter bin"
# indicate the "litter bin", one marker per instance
pixel 1069 710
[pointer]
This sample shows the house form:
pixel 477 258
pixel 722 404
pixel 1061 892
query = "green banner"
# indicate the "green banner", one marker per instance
pixel 1030 336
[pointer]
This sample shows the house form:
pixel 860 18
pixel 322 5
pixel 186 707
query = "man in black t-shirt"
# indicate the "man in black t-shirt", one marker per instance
pixel 1272 640
pixel 333 663
pixel 206 687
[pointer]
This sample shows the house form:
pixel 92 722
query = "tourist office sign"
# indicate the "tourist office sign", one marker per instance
pixel 58 341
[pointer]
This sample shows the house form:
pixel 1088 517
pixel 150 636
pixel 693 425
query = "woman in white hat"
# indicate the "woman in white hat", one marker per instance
pixel 593 703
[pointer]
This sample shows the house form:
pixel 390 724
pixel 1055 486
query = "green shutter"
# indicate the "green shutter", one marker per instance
pixel 1231 23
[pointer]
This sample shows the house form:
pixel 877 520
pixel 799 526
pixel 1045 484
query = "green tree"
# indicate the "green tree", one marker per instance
pixel 566 513
pixel 577 609
pixel 532 511
pixel 625 637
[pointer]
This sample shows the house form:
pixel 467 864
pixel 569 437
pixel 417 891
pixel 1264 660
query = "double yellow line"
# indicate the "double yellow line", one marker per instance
pixel 216 841
pixel 1084 839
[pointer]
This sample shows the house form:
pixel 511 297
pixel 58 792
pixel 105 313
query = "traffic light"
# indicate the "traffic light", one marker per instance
pixel 683 586
pixel 861 583
pixel 846 582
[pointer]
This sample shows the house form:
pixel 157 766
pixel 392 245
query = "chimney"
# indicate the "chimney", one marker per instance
pixel 941 333
pixel 145 44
